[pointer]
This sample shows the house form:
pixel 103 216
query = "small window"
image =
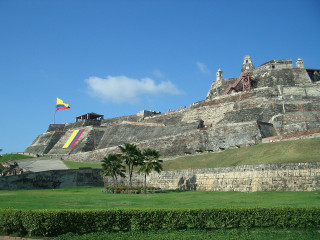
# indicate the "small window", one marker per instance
pixel 247 61
pixel 272 66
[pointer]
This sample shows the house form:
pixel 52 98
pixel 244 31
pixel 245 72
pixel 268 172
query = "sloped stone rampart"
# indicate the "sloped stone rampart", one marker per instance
pixel 248 178
pixel 210 139
pixel 44 142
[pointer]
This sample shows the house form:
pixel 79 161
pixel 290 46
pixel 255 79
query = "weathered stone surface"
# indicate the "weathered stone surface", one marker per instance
pixel 248 178
pixel 284 101
pixel 53 179
pixel 271 177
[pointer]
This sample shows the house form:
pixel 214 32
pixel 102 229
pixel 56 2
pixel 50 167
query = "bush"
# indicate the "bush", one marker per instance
pixel 54 223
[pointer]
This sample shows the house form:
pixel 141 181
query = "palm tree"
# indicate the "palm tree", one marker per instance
pixel 112 166
pixel 132 157
pixel 151 162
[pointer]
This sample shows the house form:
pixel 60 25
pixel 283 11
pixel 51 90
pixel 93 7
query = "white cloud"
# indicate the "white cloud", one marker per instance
pixel 203 68
pixel 158 73
pixel 122 89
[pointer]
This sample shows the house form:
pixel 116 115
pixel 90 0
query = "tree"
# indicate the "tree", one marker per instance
pixel 132 156
pixel 112 166
pixel 151 162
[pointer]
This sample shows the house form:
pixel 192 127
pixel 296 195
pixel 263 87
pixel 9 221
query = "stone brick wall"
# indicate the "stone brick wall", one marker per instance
pixel 191 141
pixel 264 78
pixel 250 178
pixel 53 179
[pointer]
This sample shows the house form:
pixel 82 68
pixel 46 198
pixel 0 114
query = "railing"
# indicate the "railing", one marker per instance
pixel 246 82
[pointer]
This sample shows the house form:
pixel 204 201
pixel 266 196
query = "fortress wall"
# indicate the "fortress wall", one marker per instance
pixel 263 92
pixel 209 114
pixel 44 142
pixel 122 133
pixel 53 179
pixel 264 78
pixel 73 126
pixel 219 87
pixel 291 110
pixel 275 64
pixel 118 120
pixel 57 148
pixel 248 178
pixel 301 92
pixel 285 98
pixel 298 122
pixel 91 142
pixel 210 139
pixel 169 118
pixel 56 127
pixel 284 77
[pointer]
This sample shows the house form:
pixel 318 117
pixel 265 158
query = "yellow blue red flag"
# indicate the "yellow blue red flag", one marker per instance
pixel 61 105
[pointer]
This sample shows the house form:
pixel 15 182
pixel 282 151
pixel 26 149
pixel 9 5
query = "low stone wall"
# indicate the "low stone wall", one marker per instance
pixel 53 179
pixel 248 178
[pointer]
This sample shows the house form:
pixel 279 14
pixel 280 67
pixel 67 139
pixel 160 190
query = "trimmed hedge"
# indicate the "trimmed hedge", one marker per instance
pixel 57 222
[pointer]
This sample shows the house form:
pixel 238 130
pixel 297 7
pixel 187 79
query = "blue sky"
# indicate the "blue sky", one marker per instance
pixel 119 57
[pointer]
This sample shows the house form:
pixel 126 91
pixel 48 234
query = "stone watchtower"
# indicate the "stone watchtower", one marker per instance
pixel 247 65
pixel 299 63
pixel 219 75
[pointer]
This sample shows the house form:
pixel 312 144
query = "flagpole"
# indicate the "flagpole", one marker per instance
pixel 55 111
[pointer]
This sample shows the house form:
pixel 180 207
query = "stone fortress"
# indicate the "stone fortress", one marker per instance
pixel 271 102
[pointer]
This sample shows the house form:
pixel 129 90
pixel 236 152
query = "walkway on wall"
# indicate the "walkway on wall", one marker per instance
pixel 41 164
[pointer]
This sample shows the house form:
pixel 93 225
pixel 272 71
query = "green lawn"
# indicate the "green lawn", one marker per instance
pixel 11 157
pixel 307 150
pixel 93 198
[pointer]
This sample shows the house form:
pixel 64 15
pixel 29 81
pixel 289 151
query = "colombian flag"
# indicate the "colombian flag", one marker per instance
pixel 61 105
pixel 73 138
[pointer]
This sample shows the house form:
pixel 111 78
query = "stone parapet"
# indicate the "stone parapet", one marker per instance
pixel 247 178
pixel 53 179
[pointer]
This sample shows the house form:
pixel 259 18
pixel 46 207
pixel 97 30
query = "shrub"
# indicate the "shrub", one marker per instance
pixel 53 223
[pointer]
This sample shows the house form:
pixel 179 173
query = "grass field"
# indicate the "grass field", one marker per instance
pixel 306 150
pixel 10 157
pixel 93 198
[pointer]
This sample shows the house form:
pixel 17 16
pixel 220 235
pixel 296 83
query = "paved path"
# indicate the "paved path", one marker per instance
pixel 40 164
